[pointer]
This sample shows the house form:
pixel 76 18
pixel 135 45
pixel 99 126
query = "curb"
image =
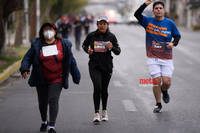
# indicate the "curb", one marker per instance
pixel 9 71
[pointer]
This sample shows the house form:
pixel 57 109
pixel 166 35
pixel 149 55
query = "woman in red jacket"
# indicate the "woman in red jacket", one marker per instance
pixel 52 60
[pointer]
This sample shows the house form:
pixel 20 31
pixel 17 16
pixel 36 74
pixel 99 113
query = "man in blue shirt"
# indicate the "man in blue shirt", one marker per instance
pixel 159 45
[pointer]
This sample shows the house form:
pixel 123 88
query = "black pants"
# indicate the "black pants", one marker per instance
pixel 87 30
pixel 77 40
pixel 100 81
pixel 49 96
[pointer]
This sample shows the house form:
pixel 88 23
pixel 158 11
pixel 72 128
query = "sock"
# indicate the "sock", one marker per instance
pixel 44 122
pixel 51 127
pixel 164 92
pixel 96 111
pixel 158 104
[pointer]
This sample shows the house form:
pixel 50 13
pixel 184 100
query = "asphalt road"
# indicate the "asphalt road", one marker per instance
pixel 130 103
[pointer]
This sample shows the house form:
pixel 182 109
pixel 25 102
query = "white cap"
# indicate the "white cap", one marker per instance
pixel 102 18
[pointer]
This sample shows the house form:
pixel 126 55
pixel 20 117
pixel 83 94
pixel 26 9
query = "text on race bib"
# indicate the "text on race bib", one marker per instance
pixel 100 46
pixel 50 50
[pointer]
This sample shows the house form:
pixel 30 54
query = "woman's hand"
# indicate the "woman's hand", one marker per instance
pixel 109 45
pixel 25 75
pixel 90 51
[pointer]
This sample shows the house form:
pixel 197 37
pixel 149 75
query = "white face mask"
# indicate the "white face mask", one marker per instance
pixel 49 34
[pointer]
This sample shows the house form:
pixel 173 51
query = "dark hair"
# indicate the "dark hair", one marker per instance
pixel 158 3
pixel 41 36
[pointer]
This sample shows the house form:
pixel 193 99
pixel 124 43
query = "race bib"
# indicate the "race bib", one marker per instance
pixel 100 46
pixel 158 46
pixel 50 50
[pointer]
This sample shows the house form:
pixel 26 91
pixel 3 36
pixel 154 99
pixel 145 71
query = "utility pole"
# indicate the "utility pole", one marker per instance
pixel 5 47
pixel 27 20
pixel 189 17
pixel 37 17
pixel 167 6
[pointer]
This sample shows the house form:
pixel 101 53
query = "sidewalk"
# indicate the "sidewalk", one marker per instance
pixel 16 65
pixel 9 71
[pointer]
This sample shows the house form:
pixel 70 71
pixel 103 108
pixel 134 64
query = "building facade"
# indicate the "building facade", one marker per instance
pixel 185 13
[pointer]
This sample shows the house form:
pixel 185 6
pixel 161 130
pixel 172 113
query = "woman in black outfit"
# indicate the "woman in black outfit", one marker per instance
pixel 99 45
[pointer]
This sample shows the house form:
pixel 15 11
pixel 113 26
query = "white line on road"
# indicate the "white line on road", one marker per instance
pixel 129 105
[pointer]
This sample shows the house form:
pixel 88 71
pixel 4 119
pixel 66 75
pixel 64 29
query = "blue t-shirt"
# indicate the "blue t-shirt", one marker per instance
pixel 158 34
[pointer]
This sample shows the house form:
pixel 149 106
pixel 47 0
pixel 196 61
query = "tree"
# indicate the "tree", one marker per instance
pixel 32 19
pixel 6 8
pixel 19 28
pixel 51 10
pixel 67 7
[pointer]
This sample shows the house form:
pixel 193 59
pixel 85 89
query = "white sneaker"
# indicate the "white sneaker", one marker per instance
pixel 104 115
pixel 96 117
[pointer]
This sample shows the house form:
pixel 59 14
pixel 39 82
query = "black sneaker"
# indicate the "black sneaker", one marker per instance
pixel 51 130
pixel 157 108
pixel 43 127
pixel 165 97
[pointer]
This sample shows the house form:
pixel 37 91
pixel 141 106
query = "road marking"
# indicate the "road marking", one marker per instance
pixel 117 83
pixel 129 105
pixel 189 62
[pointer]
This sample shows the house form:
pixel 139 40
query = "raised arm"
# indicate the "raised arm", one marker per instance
pixel 138 13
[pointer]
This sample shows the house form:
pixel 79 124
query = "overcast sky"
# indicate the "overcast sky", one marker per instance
pixel 100 9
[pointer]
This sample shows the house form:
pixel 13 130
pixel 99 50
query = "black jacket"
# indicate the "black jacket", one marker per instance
pixel 102 61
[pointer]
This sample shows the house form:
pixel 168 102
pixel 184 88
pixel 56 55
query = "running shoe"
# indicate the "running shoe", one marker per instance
pixel 96 118
pixel 165 97
pixel 43 127
pixel 51 130
pixel 104 115
pixel 157 109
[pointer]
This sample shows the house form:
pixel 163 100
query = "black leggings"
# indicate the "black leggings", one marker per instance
pixel 100 81
pixel 78 40
pixel 49 95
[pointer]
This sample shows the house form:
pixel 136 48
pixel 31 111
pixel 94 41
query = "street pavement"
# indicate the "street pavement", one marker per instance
pixel 130 103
